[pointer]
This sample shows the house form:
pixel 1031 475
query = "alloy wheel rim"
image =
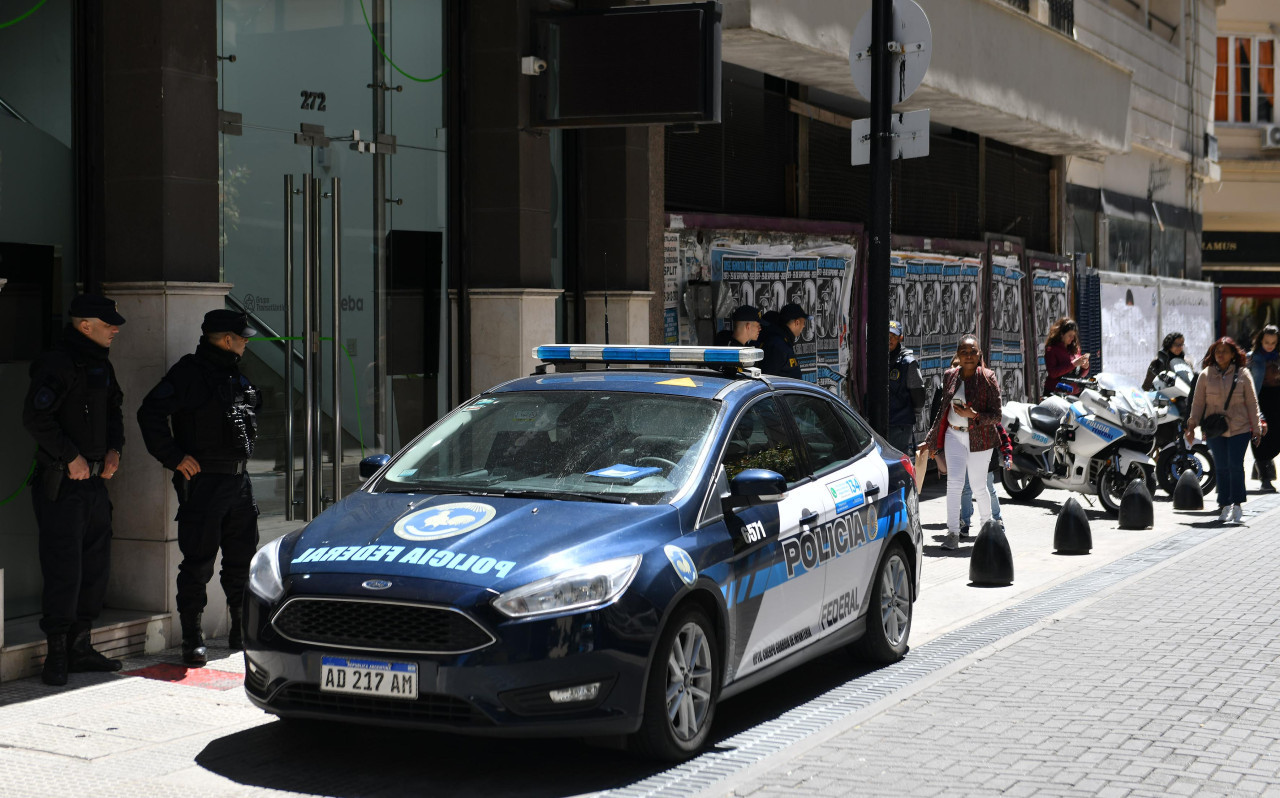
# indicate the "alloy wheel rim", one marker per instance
pixel 895 601
pixel 689 681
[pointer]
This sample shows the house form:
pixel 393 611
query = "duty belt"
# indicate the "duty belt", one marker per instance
pixel 224 467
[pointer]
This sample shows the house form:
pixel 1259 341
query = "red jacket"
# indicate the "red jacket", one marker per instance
pixel 1057 364
pixel 982 392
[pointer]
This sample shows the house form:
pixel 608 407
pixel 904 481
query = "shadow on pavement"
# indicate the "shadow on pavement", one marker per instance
pixel 344 761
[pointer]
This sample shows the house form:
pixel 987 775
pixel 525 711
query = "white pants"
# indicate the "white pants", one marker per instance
pixel 961 461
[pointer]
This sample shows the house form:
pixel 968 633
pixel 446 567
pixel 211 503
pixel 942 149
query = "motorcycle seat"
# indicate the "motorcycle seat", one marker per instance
pixel 1046 419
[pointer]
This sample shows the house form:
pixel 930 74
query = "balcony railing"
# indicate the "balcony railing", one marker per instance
pixel 1062 15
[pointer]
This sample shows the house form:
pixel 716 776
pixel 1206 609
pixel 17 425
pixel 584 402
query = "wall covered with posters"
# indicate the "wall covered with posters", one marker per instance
pixel 767 269
pixel 1139 310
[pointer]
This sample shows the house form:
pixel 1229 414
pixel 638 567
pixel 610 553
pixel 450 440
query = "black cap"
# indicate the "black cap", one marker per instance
pixel 791 311
pixel 746 313
pixel 218 321
pixel 93 306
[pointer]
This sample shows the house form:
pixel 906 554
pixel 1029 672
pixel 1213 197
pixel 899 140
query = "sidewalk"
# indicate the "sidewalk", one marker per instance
pixel 159 729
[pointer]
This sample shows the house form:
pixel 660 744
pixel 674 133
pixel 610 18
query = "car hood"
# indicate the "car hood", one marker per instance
pixel 475 540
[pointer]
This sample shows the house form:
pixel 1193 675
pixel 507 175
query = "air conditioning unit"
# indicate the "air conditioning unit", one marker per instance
pixel 1271 137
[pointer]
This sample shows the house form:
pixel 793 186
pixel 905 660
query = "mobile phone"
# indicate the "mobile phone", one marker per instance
pixel 958 402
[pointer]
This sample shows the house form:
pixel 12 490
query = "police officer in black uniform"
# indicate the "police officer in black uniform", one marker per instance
pixel 212 407
pixel 73 411
pixel 906 391
pixel 778 342
pixel 745 329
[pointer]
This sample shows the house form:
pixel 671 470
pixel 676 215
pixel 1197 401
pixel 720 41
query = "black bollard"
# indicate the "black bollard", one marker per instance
pixel 1186 494
pixel 1136 511
pixel 991 561
pixel 1071 535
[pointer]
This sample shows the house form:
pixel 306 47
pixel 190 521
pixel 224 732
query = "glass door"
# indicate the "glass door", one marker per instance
pixel 314 182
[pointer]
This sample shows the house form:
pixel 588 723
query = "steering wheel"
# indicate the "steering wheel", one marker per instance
pixel 661 461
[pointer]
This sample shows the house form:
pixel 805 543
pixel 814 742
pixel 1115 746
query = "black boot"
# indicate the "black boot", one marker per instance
pixel 84 659
pixel 193 649
pixel 55 661
pixel 235 637
pixel 1267 470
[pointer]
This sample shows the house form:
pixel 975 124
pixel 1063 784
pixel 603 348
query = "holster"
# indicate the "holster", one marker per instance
pixel 50 482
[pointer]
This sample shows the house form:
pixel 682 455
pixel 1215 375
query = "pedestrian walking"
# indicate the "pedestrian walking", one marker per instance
pixel 778 340
pixel 1171 349
pixel 200 422
pixel 1062 355
pixel 1226 406
pixel 1001 458
pixel 72 409
pixel 965 431
pixel 1264 367
pixel 906 391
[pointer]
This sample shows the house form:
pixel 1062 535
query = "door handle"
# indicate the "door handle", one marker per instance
pixel 808 517
pixel 872 489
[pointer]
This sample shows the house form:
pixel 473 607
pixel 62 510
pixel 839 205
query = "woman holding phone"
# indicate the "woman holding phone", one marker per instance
pixel 966 432
pixel 1062 355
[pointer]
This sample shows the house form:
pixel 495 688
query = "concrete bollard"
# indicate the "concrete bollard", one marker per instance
pixel 1136 511
pixel 1071 535
pixel 991 561
pixel 1186 494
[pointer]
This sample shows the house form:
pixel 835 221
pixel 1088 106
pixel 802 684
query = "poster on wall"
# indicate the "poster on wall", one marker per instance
pixel 1051 296
pixel 1008 360
pixel 670 288
pixel 936 299
pixel 1188 310
pixel 1130 327
pixel 819 280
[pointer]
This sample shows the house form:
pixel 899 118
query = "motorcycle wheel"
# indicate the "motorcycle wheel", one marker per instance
pixel 1021 487
pixel 1111 487
pixel 1171 464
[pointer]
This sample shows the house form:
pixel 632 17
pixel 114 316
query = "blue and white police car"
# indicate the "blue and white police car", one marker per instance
pixel 587 552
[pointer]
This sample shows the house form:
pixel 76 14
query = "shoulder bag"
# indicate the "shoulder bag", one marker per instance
pixel 1216 425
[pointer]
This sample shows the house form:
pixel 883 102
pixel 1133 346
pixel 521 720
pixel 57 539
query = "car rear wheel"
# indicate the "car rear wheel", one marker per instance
pixel 684 684
pixel 889 613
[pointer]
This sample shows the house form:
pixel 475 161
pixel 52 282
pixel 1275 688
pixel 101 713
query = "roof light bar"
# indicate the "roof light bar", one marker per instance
pixel 589 353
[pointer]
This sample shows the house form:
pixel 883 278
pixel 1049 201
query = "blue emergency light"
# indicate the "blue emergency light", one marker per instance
pixel 591 353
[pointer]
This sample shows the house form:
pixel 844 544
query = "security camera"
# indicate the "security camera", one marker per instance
pixel 532 65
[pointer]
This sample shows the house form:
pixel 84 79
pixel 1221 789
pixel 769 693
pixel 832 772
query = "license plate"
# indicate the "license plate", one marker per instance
pixel 369 677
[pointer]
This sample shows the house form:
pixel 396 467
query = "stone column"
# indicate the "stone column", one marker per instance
pixel 506 325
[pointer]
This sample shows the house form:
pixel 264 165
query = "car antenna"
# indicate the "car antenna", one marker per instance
pixel 606 297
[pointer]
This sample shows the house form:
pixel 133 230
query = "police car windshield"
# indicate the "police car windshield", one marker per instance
pixel 575 445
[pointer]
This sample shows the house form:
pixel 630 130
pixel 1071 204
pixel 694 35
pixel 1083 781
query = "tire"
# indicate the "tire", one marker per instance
pixel 1171 464
pixel 682 690
pixel 889 610
pixel 1111 488
pixel 1021 487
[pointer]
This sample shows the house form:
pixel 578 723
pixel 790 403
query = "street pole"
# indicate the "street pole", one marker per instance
pixel 877 403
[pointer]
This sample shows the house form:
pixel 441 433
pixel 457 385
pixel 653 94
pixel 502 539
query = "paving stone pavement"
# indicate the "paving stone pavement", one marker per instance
pixel 1168 684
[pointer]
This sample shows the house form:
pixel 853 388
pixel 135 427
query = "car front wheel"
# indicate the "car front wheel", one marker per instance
pixel 684 683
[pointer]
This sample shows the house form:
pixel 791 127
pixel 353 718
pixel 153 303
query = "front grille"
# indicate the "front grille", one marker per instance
pixel 429 708
pixel 379 626
pixel 255 681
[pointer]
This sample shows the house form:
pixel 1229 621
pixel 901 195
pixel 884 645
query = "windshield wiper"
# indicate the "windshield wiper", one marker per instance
pixel 426 487
pixel 530 493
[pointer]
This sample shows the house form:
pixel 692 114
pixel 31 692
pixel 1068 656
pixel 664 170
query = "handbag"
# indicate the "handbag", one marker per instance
pixel 1216 425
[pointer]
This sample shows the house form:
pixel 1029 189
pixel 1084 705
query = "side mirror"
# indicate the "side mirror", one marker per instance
pixel 756 486
pixel 372 464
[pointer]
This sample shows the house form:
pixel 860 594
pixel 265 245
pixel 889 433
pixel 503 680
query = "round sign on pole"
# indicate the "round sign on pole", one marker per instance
pixel 910 30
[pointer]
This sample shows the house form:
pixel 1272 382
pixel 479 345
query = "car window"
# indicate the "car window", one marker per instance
pixel 635 446
pixel 857 427
pixel 821 432
pixel 760 440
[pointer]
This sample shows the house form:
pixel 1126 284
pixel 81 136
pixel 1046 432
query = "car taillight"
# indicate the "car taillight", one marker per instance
pixel 910 465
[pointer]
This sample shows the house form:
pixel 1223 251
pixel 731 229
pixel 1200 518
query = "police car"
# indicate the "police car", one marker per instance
pixel 588 552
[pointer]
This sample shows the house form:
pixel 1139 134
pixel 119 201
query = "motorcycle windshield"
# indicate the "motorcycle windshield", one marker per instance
pixel 1129 395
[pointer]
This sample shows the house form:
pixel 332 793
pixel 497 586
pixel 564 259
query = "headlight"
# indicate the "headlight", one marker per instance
pixel 578 589
pixel 264 572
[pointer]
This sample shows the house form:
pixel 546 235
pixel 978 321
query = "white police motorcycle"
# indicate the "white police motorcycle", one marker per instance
pixel 1172 398
pixel 1094 444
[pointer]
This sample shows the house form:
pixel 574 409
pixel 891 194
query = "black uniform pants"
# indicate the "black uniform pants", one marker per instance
pixel 75 552
pixel 215 511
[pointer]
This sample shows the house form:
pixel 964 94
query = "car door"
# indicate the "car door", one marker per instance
pixel 776 584
pixel 853 478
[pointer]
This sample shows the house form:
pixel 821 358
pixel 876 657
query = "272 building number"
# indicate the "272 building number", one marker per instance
pixel 312 100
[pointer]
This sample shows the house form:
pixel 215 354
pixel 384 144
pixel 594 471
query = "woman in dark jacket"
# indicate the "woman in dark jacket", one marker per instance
pixel 1062 355
pixel 1264 365
pixel 1170 349
pixel 966 432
